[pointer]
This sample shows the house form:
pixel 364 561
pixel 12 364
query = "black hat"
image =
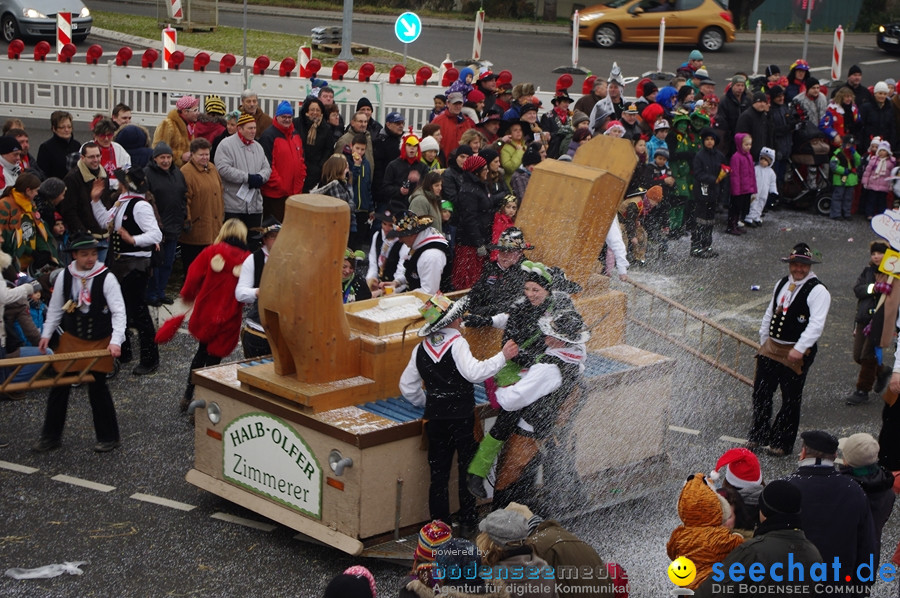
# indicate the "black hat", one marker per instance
pixel 707 132
pixel 650 87
pixel 802 254
pixel 134 179
pixel 385 214
pixel 408 223
pixel 566 326
pixel 491 115
pixel 775 91
pixel 506 124
pixel 772 69
pixel 489 153
pixel 8 145
pixel 759 97
pixel 561 95
pixel 269 225
pixel 562 283
pixel 854 70
pixel 532 154
pixel 83 241
pixel 780 497
pixel 879 246
pixel 363 102
pixel 511 239
pixel 821 441
pixel 810 81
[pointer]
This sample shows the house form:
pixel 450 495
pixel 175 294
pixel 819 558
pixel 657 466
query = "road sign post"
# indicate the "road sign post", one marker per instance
pixel 407 28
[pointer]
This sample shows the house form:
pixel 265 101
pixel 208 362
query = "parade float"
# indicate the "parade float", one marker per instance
pixel 317 438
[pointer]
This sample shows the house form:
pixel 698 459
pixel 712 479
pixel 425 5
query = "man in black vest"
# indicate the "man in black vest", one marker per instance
pixel 386 257
pixel 134 233
pixel 444 363
pixel 253 335
pixel 428 266
pixel 793 323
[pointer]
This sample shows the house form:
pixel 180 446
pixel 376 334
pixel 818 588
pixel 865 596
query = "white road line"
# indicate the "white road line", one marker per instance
pixel 17 467
pixel 684 430
pixel 882 61
pixel 733 439
pixel 165 502
pixel 83 483
pixel 266 527
pixel 821 68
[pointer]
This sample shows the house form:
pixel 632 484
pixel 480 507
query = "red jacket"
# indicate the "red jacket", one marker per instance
pixel 284 150
pixel 452 128
pixel 210 284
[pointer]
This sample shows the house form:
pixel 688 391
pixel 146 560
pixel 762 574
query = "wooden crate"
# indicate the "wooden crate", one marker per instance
pixel 379 329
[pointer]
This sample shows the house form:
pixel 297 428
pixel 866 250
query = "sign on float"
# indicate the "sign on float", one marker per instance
pixel 408 27
pixel 265 455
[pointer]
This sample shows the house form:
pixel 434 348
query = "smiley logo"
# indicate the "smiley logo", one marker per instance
pixel 682 571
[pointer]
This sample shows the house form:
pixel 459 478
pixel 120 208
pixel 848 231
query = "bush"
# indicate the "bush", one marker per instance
pixel 872 14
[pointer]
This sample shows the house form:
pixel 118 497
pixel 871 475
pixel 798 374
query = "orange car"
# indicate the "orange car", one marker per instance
pixel 706 23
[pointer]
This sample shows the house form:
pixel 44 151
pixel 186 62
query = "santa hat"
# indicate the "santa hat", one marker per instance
pixel 741 468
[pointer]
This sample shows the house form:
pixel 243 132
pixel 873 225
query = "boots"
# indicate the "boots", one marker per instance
pixel 733 227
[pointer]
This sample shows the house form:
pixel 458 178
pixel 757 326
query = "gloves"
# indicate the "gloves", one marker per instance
pixel 254 181
pixel 482 251
pixel 477 321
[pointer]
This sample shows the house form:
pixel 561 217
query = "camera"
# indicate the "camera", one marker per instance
pixel 405 184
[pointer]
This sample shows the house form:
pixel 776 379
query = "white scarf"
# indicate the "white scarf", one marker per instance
pixel 82 293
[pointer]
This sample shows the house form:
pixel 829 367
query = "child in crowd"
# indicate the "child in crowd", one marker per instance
pixel 709 171
pixel 743 182
pixel 658 140
pixel 448 227
pixel 462 85
pixel 504 218
pixel 430 153
pixel 766 183
pixel 640 150
pixel 440 104
pixel 60 239
pixel 868 290
pixel 657 221
pixel 353 286
pixel 876 180
pixel 845 162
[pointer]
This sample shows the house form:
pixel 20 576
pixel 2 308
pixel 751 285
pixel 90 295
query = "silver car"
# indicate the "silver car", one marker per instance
pixel 37 18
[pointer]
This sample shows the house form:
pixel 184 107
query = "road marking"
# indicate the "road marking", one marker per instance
pixel 17 467
pixel 733 439
pixel 820 68
pixel 266 527
pixel 882 61
pixel 684 430
pixel 83 483
pixel 165 502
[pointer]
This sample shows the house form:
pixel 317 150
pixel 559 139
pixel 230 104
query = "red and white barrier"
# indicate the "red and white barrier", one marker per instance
pixel 575 22
pixel 837 53
pixel 662 43
pixel 175 10
pixel 63 33
pixel 479 34
pixel 303 56
pixel 756 49
pixel 169 41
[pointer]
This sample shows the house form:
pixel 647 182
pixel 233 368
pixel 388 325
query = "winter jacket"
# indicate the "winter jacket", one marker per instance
pixel 452 128
pixel 361 177
pixel 878 121
pixel 235 161
pixel 346 140
pixel 877 482
pixel 497 289
pixel 866 297
pixel 204 204
pixel 760 127
pixel 209 284
pixel 76 205
pixel 284 151
pixel 844 169
pixel 23 231
pixel 877 175
pixel 783 121
pixel 766 181
pixel 511 157
pixel 451 180
pixel 836 122
pixel 861 94
pixel 743 175
pixel 209 126
pixel 396 173
pixel 317 150
pixel 169 189
pixel 422 206
pixel 730 109
pixel 135 140
pixel 173 131
pixel 524 573
pixel 813 109
pixel 563 550
pixel 385 149
pixel 53 155
pixel 707 166
pixel 518 182
pixel 475 211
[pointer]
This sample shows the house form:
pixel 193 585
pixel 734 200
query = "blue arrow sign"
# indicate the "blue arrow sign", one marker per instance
pixel 408 27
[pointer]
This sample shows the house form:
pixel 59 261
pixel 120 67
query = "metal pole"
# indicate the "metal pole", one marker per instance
pixel 756 50
pixel 809 6
pixel 405 48
pixel 662 41
pixel 575 21
pixel 347 32
pixel 246 84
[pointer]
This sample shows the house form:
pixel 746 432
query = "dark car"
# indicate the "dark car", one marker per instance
pixel 888 37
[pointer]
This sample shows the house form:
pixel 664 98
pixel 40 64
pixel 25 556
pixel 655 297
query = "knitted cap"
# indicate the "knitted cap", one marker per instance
pixel 245 119
pixel 8 145
pixel 859 449
pixel 185 102
pixel 284 108
pixel 741 468
pixel 214 105
pixel 504 526
pixel 780 497
pixel 695 55
pixel 475 96
pixel 161 148
pixel 429 144
pixel 854 70
pixel 431 536
pixel 882 86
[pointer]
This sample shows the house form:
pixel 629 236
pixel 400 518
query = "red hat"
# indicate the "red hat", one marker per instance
pixel 475 96
pixel 741 468
pixel 431 536
pixel 588 85
pixel 474 163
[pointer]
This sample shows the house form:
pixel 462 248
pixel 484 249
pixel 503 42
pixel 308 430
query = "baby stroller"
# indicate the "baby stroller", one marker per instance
pixel 806 181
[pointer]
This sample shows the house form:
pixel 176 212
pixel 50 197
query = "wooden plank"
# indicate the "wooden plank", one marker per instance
pixel 320 397
pixel 275 512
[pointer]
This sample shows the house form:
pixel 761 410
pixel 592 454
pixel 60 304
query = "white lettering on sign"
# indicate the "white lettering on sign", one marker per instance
pixel 262 453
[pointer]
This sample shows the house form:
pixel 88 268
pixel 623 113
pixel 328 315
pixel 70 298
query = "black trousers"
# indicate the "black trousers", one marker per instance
pixel 106 426
pixel 134 293
pixel 202 359
pixel 446 437
pixel 770 375
pixel 253 345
